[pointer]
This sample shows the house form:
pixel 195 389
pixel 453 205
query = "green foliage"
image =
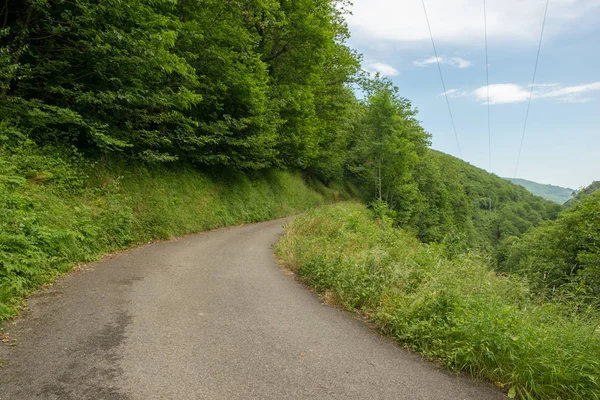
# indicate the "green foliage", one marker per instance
pixel 586 191
pixel 442 198
pixel 243 84
pixel 561 257
pixel 386 148
pixel 58 209
pixel 98 75
pixel 309 68
pixel 484 207
pixel 456 310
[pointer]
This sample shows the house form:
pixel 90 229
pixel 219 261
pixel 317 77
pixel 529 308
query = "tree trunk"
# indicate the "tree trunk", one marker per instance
pixel 182 10
pixel 5 11
pixel 379 181
pixel 9 78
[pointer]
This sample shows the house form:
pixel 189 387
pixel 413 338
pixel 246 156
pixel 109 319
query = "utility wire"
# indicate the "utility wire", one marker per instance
pixel 437 59
pixel 487 80
pixel 537 59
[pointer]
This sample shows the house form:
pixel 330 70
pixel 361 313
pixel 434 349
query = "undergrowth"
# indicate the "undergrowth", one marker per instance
pixel 58 209
pixel 449 307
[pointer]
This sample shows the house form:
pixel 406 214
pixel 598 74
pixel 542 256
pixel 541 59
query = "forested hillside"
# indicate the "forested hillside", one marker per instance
pixel 495 209
pixel 557 194
pixel 246 85
pixel 562 257
pixel 235 86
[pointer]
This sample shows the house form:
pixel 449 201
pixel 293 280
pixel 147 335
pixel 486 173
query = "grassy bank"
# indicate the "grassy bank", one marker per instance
pixel 455 310
pixel 56 211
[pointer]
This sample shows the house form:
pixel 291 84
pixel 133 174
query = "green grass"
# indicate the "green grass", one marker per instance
pixel 456 310
pixel 59 210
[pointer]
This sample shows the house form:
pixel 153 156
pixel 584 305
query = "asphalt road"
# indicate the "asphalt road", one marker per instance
pixel 208 316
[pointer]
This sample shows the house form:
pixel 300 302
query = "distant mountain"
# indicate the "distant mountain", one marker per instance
pixel 553 193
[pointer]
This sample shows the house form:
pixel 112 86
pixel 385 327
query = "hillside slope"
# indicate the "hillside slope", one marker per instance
pixel 57 211
pixel 476 208
pixel 587 191
pixel 557 194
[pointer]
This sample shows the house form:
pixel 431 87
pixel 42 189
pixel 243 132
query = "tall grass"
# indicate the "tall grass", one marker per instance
pixel 58 210
pixel 456 310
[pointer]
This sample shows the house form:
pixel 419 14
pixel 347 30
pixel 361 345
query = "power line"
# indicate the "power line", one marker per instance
pixel 487 79
pixel 537 59
pixel 437 59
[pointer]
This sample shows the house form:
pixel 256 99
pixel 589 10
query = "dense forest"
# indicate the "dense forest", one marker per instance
pixel 238 85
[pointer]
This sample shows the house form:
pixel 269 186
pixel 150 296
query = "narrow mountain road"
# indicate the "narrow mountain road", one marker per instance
pixel 209 316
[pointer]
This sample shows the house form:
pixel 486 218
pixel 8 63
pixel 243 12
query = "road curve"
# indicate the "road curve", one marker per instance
pixel 209 316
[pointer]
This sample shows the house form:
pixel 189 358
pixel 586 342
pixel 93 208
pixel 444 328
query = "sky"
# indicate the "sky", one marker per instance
pixel 562 140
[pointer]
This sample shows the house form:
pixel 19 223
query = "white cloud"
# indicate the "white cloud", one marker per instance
pixel 427 61
pixel 572 90
pixel 383 69
pixel 461 21
pixel 455 93
pixel 460 62
pixel 576 100
pixel 544 85
pixel 449 92
pixel 513 93
pixel 502 93
pixel 454 61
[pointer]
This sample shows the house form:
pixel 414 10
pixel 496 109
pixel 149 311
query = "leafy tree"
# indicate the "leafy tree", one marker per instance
pixel 309 66
pixel 563 255
pixel 388 144
pixel 99 75
pixel 237 121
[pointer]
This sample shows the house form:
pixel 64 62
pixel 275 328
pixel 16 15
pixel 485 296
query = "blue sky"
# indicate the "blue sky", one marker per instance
pixel 562 142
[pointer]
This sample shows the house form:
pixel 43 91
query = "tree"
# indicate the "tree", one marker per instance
pixel 561 256
pixel 98 75
pixel 310 68
pixel 388 148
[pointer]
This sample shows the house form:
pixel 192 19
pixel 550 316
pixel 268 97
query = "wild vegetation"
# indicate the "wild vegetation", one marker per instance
pixel 56 211
pixel 561 258
pixel 455 309
pixel 128 121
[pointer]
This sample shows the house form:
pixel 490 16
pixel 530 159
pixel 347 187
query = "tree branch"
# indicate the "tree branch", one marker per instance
pixel 5 10
pixel 277 54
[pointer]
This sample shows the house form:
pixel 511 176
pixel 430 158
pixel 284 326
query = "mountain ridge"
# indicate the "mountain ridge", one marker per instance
pixel 554 193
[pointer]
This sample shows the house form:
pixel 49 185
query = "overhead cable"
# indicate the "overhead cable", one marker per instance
pixel 537 59
pixel 437 59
